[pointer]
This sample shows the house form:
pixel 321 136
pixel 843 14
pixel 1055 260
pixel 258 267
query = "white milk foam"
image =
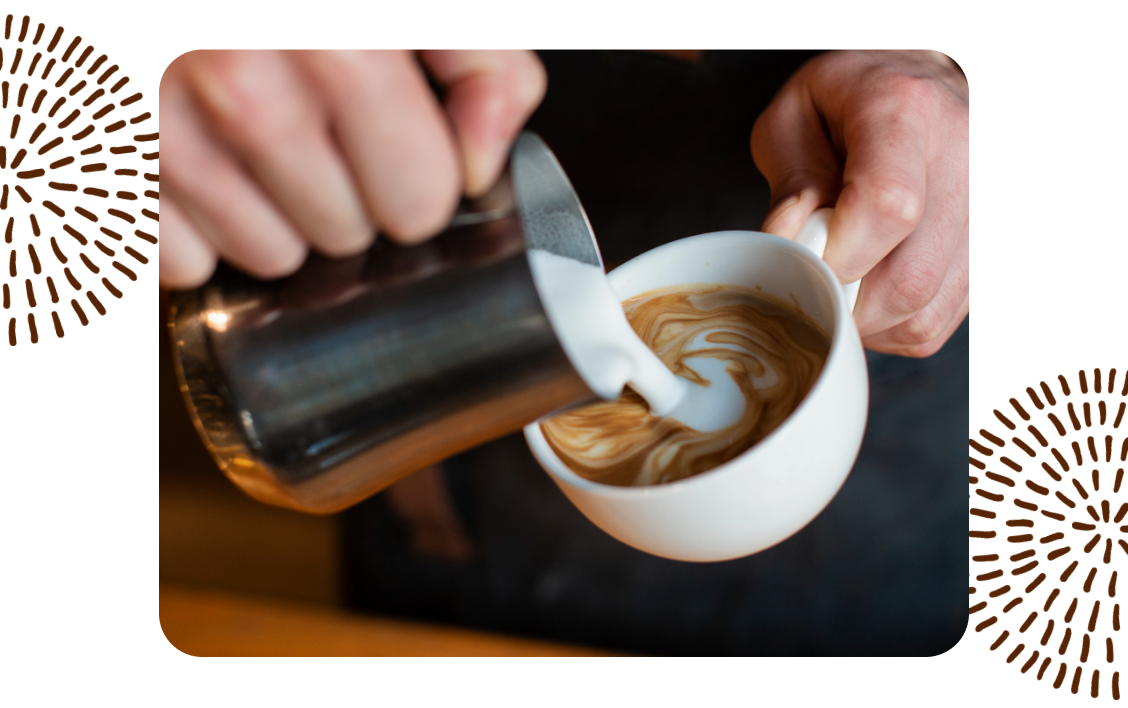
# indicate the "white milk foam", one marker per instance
pixel 595 334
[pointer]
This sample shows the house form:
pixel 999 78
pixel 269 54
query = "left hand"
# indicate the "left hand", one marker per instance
pixel 882 137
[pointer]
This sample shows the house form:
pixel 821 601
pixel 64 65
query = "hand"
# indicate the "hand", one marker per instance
pixel 269 153
pixel 883 138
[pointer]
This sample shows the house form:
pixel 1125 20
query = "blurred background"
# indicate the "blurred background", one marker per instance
pixel 483 555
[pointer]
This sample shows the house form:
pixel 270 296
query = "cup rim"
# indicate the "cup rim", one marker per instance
pixel 534 436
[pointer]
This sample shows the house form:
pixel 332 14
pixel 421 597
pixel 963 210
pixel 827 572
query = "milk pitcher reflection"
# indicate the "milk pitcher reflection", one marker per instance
pixel 772 351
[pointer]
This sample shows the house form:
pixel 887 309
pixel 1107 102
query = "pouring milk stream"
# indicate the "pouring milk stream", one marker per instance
pixel 588 318
pixel 608 354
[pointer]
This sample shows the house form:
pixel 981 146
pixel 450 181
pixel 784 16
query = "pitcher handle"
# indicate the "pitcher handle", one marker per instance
pixel 813 235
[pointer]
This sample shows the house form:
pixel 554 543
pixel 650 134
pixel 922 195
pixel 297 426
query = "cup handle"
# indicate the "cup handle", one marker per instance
pixel 813 235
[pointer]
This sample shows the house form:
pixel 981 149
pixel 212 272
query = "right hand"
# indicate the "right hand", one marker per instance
pixel 268 153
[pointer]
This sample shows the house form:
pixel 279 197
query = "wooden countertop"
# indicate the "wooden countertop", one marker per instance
pixel 209 623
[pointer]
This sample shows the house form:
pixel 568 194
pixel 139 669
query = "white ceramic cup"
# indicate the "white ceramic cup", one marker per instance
pixel 775 488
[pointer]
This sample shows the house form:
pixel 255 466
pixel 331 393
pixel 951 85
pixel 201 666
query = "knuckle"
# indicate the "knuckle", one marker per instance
pixel 343 74
pixel 900 90
pixel 915 92
pixel 225 94
pixel 923 328
pixel 896 203
pixel 249 105
pixel 902 102
pixel 348 76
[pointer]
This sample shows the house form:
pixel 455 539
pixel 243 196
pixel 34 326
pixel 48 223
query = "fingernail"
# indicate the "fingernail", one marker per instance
pixel 778 211
pixel 482 166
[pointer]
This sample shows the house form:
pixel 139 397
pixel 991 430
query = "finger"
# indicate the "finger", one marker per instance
pixel 925 349
pixel 933 257
pixel 884 182
pixel 395 137
pixel 258 105
pixel 490 96
pixel 245 228
pixel 926 329
pixel 186 258
pixel 792 151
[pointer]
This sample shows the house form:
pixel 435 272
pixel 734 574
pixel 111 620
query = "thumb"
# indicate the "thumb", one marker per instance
pixel 792 150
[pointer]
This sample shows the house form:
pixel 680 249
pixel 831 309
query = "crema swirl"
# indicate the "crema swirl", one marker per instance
pixel 772 351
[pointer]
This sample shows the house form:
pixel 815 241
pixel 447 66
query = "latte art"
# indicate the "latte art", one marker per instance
pixel 773 352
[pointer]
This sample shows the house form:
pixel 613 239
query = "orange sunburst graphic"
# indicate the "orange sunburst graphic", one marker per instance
pixel 78 168
pixel 1048 498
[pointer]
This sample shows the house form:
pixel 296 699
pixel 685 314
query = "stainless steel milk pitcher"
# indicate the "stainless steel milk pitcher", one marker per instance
pixel 320 389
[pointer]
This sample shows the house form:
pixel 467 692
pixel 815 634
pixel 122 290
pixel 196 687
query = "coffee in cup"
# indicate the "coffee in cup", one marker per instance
pixel 771 350
pixel 778 485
